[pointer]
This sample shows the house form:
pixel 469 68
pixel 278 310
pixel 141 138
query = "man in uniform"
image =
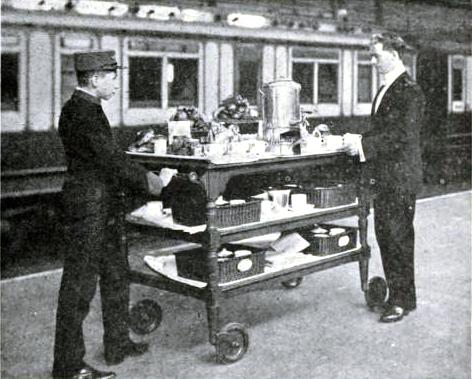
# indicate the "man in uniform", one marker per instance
pixel 393 164
pixel 97 171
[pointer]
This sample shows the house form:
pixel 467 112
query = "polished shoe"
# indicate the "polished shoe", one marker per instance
pixel 86 372
pixel 395 313
pixel 388 304
pixel 132 349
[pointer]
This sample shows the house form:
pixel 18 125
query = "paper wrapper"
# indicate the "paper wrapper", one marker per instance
pixel 291 243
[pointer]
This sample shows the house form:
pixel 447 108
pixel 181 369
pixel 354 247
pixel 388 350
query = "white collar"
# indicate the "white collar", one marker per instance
pixel 87 92
pixel 391 76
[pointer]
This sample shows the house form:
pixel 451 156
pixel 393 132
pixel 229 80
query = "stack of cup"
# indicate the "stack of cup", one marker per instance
pixel 299 201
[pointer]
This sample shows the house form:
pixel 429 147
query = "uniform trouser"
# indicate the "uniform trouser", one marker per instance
pixel 93 254
pixel 394 214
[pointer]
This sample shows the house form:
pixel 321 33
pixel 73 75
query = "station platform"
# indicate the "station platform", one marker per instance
pixel 321 329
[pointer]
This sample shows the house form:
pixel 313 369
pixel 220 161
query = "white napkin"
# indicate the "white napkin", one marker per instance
pixel 149 214
pixel 166 175
pixel 356 141
pixel 290 243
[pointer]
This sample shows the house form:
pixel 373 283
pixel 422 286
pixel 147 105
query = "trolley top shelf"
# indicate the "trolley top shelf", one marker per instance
pixel 224 164
pixel 215 176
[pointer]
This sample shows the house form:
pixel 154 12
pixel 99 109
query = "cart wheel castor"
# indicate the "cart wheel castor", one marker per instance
pixel 145 316
pixel 232 343
pixel 376 292
pixel 293 283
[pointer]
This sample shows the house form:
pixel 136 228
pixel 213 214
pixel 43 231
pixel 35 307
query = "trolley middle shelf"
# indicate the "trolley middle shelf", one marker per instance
pixel 143 274
pixel 285 222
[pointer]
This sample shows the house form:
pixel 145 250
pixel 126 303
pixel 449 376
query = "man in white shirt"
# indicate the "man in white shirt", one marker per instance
pixel 393 167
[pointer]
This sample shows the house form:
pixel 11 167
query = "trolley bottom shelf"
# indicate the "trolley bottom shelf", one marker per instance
pixel 231 340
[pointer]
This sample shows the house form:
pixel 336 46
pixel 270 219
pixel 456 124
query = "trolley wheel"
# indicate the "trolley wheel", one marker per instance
pixel 376 292
pixel 293 283
pixel 232 343
pixel 145 316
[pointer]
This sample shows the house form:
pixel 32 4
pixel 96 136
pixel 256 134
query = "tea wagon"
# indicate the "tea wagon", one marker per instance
pixel 231 340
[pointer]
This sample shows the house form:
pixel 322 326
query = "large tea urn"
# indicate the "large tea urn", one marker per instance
pixel 280 103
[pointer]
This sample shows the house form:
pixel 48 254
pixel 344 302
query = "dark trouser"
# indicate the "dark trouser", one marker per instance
pixel 394 213
pixel 93 253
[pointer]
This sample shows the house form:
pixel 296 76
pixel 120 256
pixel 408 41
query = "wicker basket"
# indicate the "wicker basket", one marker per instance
pixel 329 244
pixel 232 215
pixel 193 265
pixel 225 215
pixel 331 195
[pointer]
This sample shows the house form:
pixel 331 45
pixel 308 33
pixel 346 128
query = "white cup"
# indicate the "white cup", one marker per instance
pixel 160 146
pixel 299 201
pixel 266 207
pixel 280 198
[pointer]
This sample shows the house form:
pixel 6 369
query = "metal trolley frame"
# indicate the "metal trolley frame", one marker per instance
pixel 231 340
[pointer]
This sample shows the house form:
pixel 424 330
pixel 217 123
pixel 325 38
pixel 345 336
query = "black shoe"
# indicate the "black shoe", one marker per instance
pixel 388 304
pixel 86 372
pixel 394 313
pixel 132 349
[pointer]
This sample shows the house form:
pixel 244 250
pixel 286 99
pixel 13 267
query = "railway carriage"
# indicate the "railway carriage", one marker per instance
pixel 197 53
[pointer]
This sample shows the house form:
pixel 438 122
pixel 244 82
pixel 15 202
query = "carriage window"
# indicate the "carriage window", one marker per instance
pixel 364 83
pixel 10 81
pixel 248 71
pixel 318 73
pixel 303 73
pixel 182 79
pixel 457 91
pixel 161 74
pixel 145 82
pixel 328 83
pixel 68 77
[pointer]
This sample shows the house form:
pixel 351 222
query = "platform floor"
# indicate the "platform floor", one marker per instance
pixel 320 330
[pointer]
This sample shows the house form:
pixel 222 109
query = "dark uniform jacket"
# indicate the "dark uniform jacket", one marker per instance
pixel 97 168
pixel 392 145
pixel 97 171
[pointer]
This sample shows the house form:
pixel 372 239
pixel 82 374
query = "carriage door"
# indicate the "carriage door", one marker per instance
pixel 432 77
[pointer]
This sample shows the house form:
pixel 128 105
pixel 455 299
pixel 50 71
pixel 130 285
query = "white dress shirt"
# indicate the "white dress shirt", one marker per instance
pixel 388 80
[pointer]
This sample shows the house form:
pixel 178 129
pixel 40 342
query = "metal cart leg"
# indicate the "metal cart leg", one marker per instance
pixel 364 271
pixel 232 340
pixel 375 289
pixel 364 261
pixel 212 300
pixel 212 245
